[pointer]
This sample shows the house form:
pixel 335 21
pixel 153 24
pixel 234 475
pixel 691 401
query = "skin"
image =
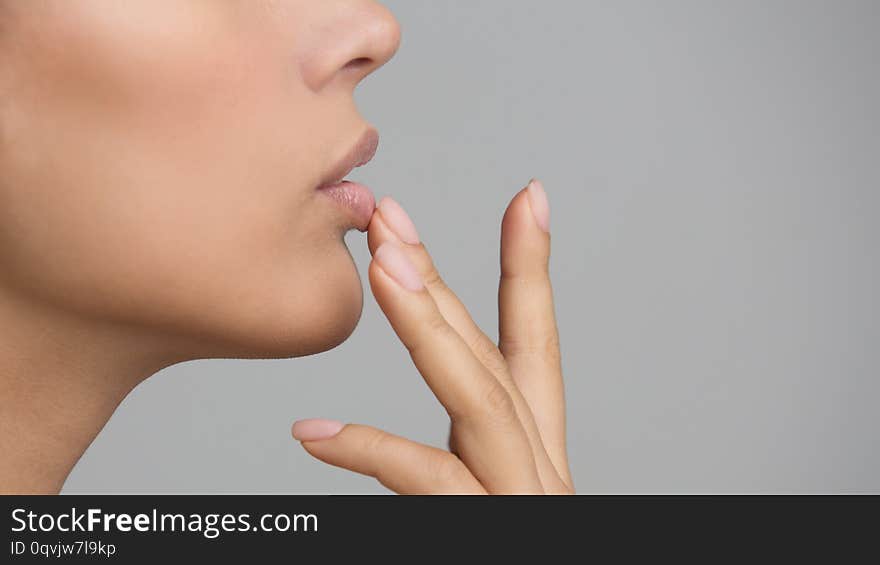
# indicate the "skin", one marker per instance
pixel 506 403
pixel 158 170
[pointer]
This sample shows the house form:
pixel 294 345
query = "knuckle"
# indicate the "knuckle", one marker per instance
pixel 374 441
pixel 436 323
pixel 535 277
pixel 549 347
pixel 546 346
pixel 433 331
pixel 487 352
pixel 431 276
pixel 373 448
pixel 436 329
pixel 498 405
pixel 446 468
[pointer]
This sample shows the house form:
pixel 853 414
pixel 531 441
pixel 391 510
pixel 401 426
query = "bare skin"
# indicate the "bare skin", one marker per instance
pixel 159 170
pixel 506 402
pixel 159 167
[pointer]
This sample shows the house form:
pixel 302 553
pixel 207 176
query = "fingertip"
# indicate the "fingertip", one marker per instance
pixel 315 429
pixel 528 211
pixel 393 260
pixel 539 204
pixel 519 209
pixel 525 244
pixel 396 218
pixel 377 232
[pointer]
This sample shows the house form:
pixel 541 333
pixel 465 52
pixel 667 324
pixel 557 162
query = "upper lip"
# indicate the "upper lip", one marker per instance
pixel 360 154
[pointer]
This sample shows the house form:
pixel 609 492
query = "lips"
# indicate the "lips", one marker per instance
pixel 354 199
pixel 360 154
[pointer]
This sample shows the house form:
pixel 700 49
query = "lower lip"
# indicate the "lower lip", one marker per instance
pixel 356 199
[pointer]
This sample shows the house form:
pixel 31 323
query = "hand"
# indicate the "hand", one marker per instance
pixel 506 403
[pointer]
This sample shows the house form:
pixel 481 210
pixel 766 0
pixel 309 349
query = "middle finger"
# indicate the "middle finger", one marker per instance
pixel 457 315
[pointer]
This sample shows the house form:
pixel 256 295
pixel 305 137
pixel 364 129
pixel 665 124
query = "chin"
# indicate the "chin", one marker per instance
pixel 314 320
pixel 335 323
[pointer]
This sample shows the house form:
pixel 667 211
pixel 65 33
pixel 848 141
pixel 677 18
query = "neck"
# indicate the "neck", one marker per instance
pixel 61 378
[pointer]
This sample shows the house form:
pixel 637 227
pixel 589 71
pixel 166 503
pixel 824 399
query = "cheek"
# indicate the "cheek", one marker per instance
pixel 160 181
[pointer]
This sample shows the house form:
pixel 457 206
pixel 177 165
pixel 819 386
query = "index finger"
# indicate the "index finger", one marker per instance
pixel 494 444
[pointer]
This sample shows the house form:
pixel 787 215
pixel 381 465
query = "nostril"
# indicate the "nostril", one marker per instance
pixel 359 63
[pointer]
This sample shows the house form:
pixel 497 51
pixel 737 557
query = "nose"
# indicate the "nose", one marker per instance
pixel 355 38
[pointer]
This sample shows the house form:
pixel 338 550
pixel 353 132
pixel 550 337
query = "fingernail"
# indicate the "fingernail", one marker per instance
pixel 394 261
pixel 398 220
pixel 315 429
pixel 539 204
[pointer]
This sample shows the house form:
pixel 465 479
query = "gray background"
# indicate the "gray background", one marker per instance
pixel 713 175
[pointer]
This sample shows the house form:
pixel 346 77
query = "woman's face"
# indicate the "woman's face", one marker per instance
pixel 159 161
